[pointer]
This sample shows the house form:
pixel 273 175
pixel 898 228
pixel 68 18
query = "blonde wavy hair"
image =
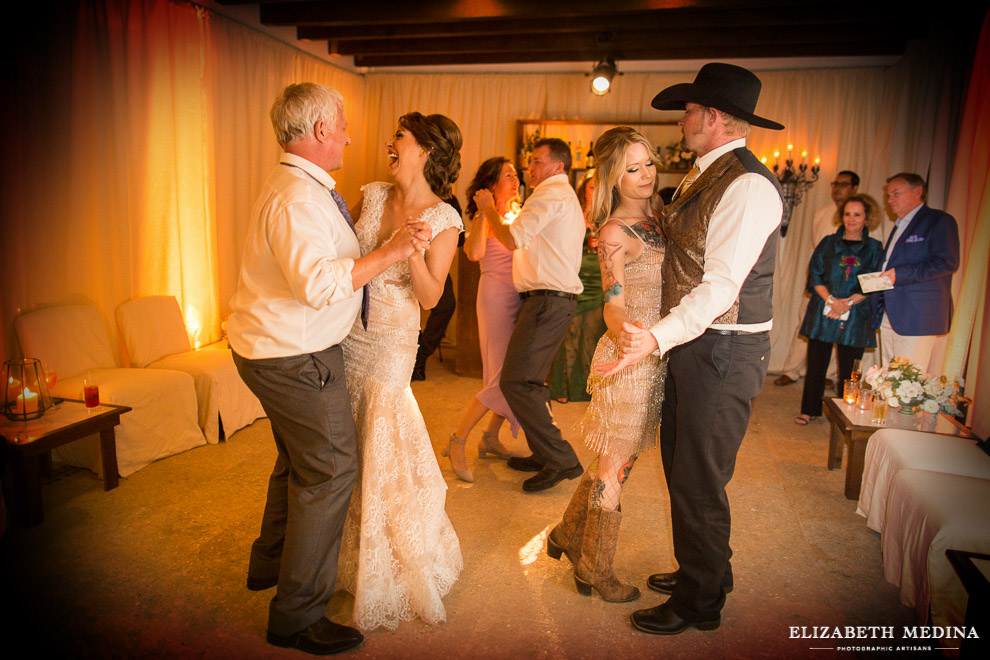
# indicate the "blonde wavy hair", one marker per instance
pixel 610 164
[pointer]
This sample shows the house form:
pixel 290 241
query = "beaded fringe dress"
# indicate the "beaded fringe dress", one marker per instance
pixel 399 554
pixel 623 417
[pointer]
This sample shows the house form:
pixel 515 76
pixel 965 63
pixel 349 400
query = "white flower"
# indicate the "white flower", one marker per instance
pixel 893 402
pixel 893 374
pixel 929 405
pixel 908 390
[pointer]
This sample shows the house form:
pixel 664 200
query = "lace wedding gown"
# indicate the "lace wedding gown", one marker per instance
pixel 399 554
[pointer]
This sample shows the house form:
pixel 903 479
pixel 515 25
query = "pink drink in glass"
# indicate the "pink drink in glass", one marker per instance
pixel 92 395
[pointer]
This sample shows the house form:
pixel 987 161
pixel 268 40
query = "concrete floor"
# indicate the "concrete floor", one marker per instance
pixel 157 566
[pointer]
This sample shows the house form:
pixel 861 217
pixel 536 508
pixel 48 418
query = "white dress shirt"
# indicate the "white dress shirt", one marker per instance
pixel 823 224
pixel 899 226
pixel 749 211
pixel 549 237
pixel 294 294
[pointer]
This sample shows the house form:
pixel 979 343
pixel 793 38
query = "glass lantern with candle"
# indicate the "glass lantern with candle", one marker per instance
pixel 25 392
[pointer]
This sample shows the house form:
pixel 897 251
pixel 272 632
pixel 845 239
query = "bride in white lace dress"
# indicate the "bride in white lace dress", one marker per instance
pixel 399 554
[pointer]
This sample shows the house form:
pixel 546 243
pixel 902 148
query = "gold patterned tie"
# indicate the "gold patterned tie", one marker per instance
pixel 691 177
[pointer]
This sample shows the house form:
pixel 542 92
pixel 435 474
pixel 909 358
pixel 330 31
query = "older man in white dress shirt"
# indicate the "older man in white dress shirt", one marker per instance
pixel 547 238
pixel 299 293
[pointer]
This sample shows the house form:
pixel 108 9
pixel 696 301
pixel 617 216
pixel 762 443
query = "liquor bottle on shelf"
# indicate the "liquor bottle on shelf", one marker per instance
pixel 579 157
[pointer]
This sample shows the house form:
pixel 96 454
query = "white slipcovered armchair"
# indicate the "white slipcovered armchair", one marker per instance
pixel 162 422
pixel 155 337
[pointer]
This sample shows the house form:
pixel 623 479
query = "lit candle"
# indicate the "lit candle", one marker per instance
pixel 804 154
pixel 776 156
pixel 27 402
pixel 764 160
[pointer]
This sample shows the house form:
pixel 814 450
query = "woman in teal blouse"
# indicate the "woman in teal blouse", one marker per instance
pixel 835 315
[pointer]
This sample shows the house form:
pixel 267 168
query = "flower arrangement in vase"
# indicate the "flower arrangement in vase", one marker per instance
pixel 904 385
pixel 677 156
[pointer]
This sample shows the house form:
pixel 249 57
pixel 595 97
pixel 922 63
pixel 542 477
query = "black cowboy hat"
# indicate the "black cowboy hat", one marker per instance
pixel 725 87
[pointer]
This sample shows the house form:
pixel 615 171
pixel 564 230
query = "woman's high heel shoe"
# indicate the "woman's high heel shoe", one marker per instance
pixel 465 474
pixel 488 444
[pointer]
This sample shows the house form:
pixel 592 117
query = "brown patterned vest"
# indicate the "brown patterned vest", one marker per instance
pixel 685 224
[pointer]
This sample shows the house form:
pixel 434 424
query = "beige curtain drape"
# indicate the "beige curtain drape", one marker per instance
pixel 136 142
pixel 969 202
pixel 832 113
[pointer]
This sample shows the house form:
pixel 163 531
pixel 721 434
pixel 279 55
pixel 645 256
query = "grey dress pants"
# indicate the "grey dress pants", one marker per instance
pixel 540 328
pixel 305 398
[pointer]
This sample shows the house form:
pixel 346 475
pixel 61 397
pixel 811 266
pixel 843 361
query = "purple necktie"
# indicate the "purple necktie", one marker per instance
pixel 342 205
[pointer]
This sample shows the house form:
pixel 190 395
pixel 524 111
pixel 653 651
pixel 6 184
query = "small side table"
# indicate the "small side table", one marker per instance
pixel 852 427
pixel 973 569
pixel 30 444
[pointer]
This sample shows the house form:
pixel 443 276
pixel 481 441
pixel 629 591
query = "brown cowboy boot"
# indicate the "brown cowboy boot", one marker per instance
pixel 594 570
pixel 566 536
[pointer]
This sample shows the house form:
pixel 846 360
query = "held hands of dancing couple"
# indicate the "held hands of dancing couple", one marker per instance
pixel 636 342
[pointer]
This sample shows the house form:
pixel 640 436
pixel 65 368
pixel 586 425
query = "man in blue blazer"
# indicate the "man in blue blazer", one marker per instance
pixel 921 255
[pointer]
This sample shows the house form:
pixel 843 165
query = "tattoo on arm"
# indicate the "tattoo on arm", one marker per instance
pixel 606 257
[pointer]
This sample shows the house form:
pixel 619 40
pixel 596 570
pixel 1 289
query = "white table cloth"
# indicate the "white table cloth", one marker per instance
pixel 891 450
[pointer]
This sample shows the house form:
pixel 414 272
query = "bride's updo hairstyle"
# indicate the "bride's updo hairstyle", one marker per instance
pixel 442 140
pixel 610 164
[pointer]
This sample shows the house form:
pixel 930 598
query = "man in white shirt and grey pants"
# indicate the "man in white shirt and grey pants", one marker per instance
pixel 299 293
pixel 547 238
pixel 716 315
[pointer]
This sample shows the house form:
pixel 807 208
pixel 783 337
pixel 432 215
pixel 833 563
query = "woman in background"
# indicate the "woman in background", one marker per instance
pixel 569 373
pixel 835 315
pixel 498 304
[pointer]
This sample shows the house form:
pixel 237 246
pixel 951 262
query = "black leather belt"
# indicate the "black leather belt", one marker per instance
pixel 548 292
pixel 731 333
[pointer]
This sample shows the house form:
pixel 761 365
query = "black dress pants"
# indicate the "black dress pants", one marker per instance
pixel 711 384
pixel 436 324
pixel 819 353
pixel 540 328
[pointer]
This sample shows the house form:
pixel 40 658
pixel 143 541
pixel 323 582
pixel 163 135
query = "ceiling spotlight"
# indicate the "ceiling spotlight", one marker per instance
pixel 601 76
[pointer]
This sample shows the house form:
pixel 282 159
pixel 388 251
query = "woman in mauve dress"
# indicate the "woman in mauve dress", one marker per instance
pixel 498 304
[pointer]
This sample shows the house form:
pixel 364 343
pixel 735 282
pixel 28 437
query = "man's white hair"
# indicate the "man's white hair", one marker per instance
pixel 298 108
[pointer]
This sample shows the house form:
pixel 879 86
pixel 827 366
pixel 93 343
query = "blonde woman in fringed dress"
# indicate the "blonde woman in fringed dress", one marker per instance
pixel 624 414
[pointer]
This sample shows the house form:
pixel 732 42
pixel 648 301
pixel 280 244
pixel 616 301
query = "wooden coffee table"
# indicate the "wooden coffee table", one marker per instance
pixel 852 427
pixel 30 444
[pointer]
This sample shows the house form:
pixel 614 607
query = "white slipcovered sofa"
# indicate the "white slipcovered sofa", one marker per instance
pixel 925 494
pixel 155 337
pixel 73 339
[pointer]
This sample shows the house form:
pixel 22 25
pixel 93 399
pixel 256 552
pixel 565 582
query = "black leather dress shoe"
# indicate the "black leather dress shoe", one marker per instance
pixel 322 638
pixel 525 463
pixel 663 620
pixel 260 584
pixel 665 583
pixel 548 478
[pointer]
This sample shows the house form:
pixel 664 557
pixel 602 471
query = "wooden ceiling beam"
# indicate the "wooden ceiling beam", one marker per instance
pixel 334 12
pixel 708 51
pixel 781 19
pixel 605 42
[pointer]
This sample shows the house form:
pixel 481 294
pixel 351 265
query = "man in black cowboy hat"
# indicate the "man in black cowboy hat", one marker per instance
pixel 722 229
